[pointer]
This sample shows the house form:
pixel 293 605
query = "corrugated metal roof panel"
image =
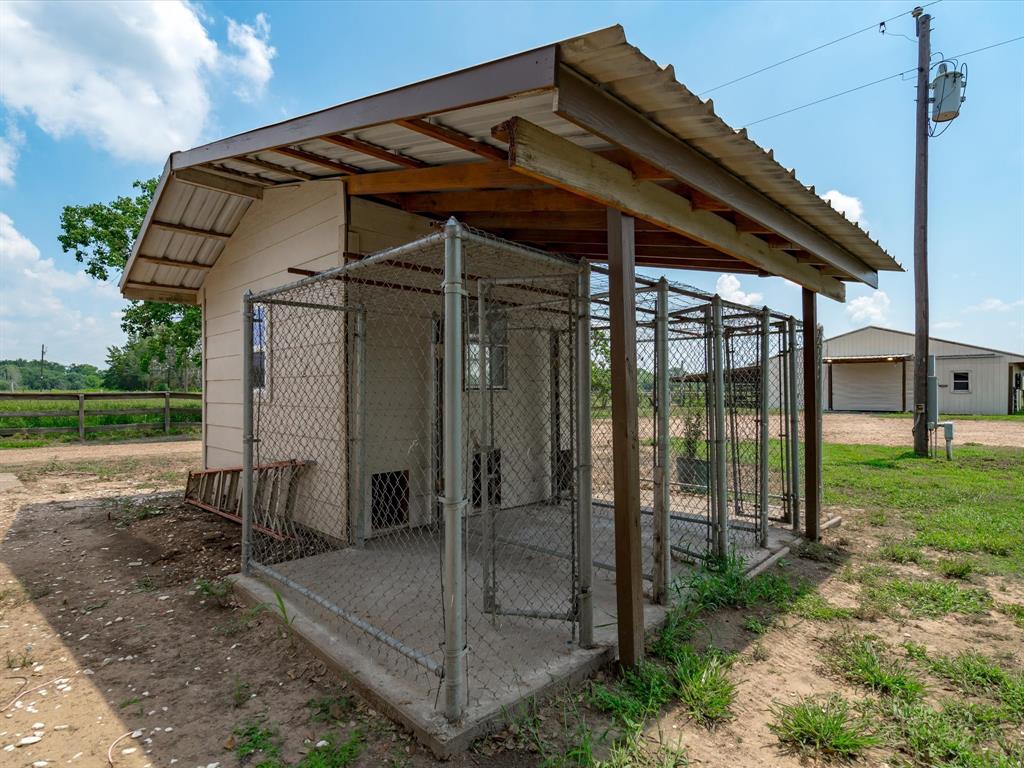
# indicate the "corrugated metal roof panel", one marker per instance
pixel 607 59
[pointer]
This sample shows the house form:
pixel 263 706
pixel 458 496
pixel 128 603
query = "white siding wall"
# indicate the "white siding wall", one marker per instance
pixel 988 369
pixel 291 227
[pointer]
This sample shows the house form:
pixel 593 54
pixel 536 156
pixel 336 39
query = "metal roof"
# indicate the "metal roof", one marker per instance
pixel 189 221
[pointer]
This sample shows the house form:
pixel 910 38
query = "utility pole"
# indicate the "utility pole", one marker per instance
pixel 924 56
pixel 42 361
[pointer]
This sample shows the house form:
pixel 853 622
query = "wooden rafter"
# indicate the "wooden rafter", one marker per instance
pixel 218 183
pixel 494 200
pixel 565 220
pixel 284 170
pixel 313 159
pixel 543 155
pixel 249 178
pixel 162 262
pixel 194 231
pixel 374 150
pixel 438 179
pixel 595 237
pixel 455 138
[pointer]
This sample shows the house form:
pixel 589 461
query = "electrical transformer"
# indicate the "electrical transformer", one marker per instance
pixel 947 90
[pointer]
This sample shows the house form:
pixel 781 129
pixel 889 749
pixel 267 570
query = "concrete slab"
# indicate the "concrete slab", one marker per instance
pixel 392 587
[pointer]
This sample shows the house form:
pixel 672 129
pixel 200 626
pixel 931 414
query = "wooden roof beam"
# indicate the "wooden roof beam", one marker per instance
pixel 162 262
pixel 284 170
pixel 313 159
pixel 231 173
pixel 601 113
pixel 217 183
pixel 173 294
pixel 181 229
pixel 596 237
pixel 374 150
pixel 455 203
pixel 543 155
pixel 438 178
pixel 453 137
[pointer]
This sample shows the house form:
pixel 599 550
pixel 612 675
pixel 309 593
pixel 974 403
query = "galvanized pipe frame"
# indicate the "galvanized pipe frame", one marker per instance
pixel 454 583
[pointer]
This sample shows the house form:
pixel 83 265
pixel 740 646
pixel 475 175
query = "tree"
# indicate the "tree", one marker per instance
pixel 600 369
pixel 101 235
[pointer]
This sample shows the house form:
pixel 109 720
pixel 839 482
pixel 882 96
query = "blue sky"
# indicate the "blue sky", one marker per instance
pixel 168 76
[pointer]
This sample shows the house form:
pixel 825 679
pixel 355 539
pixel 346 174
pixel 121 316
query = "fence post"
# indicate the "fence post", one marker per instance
pixel 247 430
pixel 81 417
pixel 454 476
pixel 794 429
pixel 486 513
pixel 721 476
pixel 584 530
pixel 662 497
pixel 357 466
pixel 762 536
pixel 167 413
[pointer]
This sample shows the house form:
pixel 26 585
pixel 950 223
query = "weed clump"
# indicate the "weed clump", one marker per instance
pixel 822 727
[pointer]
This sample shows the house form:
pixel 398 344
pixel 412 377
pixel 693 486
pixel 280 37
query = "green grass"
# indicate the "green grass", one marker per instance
pixel 974 504
pixel 1014 611
pixel 955 568
pixel 930 599
pixel 866 660
pixel 258 745
pixel 181 411
pixel 336 753
pixel 822 727
pixel 902 552
pixel 957 735
pixel 816 608
pixel 703 686
pixel 722 584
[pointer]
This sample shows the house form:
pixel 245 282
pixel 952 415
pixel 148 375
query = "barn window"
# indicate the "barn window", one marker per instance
pixel 961 381
pixel 260 345
pixel 389 500
pixel 496 351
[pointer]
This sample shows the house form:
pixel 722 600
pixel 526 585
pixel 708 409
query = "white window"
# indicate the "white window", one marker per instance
pixel 496 351
pixel 961 381
pixel 260 349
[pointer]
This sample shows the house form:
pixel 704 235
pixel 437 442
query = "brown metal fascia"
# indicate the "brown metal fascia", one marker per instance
pixel 505 78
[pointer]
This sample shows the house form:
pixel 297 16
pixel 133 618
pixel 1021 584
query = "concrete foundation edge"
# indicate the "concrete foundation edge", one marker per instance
pixel 358 672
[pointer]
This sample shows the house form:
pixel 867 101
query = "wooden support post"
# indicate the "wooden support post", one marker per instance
pixel 167 413
pixel 812 409
pixel 625 444
pixel 81 417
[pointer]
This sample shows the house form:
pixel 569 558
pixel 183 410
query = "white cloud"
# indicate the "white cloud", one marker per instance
pixel 40 303
pixel 133 78
pixel 946 324
pixel 256 53
pixel 871 309
pixel 10 149
pixel 995 305
pixel 851 206
pixel 728 287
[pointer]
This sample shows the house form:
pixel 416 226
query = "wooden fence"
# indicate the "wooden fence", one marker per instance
pixel 81 412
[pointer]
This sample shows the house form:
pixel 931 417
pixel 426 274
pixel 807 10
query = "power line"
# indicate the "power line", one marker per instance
pixel 875 82
pixel 876 25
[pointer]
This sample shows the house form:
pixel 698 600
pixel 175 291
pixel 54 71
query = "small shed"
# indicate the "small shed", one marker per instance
pixel 407 300
pixel 872 369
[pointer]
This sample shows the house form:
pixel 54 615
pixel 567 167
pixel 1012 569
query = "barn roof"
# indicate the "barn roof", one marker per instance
pixel 440 136
pixel 930 338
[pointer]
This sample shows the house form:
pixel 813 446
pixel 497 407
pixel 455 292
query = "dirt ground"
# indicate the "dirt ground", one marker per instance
pixel 111 649
pixel 869 429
